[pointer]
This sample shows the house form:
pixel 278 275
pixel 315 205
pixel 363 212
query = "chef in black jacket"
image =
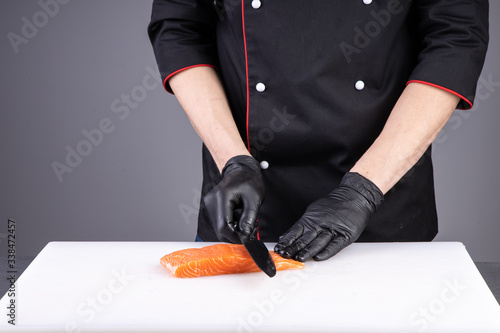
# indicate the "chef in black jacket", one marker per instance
pixel 317 116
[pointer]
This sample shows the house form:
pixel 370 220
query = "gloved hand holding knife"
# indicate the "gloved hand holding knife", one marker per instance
pixel 233 204
pixel 241 189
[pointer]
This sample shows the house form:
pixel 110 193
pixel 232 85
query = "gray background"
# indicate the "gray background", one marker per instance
pixel 142 181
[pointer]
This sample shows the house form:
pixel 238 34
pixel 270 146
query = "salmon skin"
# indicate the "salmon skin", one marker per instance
pixel 218 259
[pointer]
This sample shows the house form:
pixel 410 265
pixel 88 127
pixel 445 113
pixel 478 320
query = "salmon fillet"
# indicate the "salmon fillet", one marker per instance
pixel 218 259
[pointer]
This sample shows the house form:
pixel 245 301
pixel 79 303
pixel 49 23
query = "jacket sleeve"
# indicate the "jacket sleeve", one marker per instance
pixel 182 33
pixel 453 37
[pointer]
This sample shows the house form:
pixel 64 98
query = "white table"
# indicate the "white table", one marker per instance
pixel 368 287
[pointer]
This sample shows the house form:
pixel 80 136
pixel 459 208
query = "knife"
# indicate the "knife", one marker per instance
pixel 259 253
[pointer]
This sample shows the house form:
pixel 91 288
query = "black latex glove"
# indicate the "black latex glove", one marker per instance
pixel 333 222
pixel 233 204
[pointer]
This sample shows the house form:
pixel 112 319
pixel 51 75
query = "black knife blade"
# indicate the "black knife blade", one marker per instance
pixel 259 253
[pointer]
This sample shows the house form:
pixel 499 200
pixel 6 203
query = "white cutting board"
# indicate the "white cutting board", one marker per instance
pixel 368 287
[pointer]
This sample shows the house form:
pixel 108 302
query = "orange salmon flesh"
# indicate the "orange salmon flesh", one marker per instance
pixel 218 259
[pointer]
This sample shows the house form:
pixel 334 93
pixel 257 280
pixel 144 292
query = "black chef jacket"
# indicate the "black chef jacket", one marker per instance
pixel 312 83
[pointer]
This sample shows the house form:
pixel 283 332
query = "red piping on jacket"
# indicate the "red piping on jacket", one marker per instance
pixel 246 69
pixel 443 88
pixel 248 91
pixel 180 70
